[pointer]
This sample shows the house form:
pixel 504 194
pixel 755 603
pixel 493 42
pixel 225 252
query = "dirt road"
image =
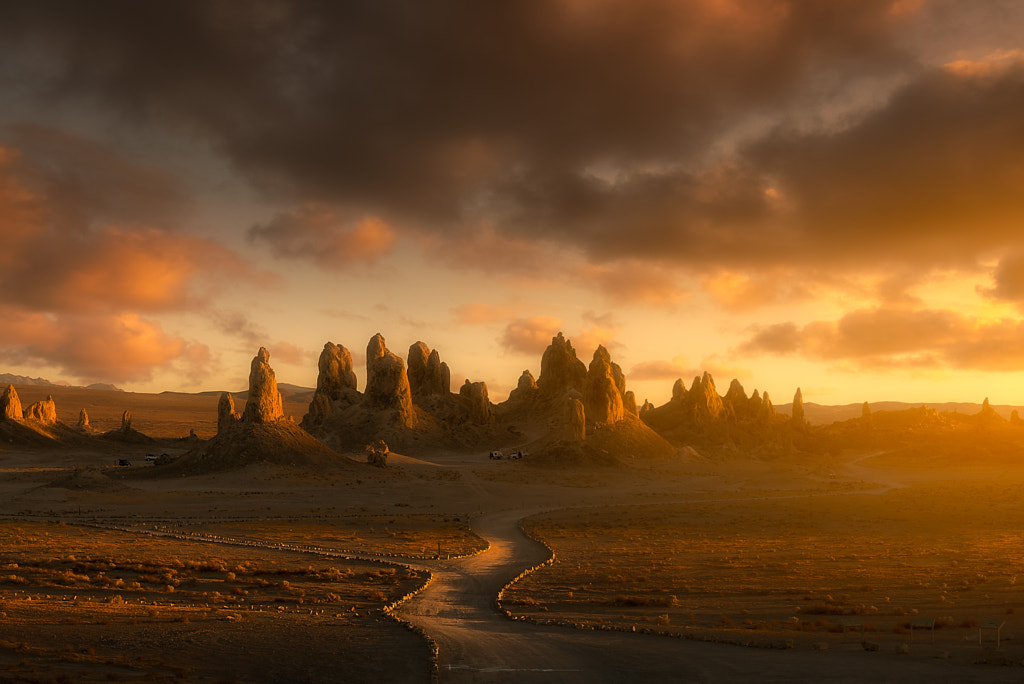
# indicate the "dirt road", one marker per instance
pixel 478 644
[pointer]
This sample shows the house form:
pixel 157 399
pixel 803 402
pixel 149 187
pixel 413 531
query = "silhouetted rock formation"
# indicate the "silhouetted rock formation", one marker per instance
pixel 10 405
pixel 602 395
pixel 335 382
pixel 227 416
pixel 525 391
pixel 387 385
pixel 263 404
pixel 44 411
pixel 479 406
pixel 798 408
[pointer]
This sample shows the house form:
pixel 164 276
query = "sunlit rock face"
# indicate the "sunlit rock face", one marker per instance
pixel 766 412
pixel 335 378
pixel 44 411
pixel 576 419
pixel 560 370
pixel 126 421
pixel 264 404
pixel 10 405
pixel 387 385
pixel 602 396
pixel 703 399
pixel 480 410
pixel 227 417
pixel 83 420
pixel 629 403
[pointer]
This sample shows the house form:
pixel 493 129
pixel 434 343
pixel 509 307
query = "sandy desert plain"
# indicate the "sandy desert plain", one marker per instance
pixel 884 561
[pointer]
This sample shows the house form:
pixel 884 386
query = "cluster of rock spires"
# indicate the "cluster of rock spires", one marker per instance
pixel 43 412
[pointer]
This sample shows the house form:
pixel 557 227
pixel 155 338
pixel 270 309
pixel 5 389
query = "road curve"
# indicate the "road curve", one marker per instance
pixel 478 644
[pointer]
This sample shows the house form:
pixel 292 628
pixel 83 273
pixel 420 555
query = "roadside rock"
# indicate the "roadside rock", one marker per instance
pixel 264 404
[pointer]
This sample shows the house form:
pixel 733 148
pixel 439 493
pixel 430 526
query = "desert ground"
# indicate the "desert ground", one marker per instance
pixel 870 564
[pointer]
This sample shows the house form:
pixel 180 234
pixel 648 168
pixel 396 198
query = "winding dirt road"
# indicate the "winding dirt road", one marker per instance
pixel 478 644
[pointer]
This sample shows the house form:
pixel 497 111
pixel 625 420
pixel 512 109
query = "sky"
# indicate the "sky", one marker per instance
pixel 824 195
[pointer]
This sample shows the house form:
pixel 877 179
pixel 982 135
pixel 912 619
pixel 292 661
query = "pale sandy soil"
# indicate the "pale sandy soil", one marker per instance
pixel 751 541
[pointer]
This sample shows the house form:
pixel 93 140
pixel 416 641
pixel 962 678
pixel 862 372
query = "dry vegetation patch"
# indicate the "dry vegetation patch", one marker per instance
pixel 761 570
pixel 409 535
pixel 88 604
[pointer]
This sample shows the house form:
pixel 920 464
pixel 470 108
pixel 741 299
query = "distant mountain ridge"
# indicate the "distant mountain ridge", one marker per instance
pixel 11 379
pixel 821 414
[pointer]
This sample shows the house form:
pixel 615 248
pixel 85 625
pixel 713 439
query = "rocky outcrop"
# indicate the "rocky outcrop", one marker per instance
pixel 629 403
pixel 126 421
pixel 602 394
pixel 765 412
pixel 736 401
pixel 10 405
pixel 335 379
pixel 227 416
pixel 83 420
pixel 387 385
pixel 526 389
pixel 44 412
pixel 703 401
pixel 560 370
pixel 576 419
pixel 479 406
pixel 264 403
pixel 798 408
pixel 428 375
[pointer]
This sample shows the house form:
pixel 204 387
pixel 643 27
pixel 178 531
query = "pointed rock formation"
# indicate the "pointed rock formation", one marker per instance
pixel 678 391
pixel 44 411
pixel 126 421
pixel 387 385
pixel 629 403
pixel 798 408
pixel 602 397
pixel 560 370
pixel 428 376
pixel 704 400
pixel 83 420
pixel 264 404
pixel 526 389
pixel 10 405
pixel 334 379
pixel 576 419
pixel 766 412
pixel 227 416
pixel 480 410
pixel 736 399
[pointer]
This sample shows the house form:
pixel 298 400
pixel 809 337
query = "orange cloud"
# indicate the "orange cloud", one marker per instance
pixel 662 370
pixel 888 338
pixel 530 335
pixel 633 282
pixel 317 232
pixel 110 347
pixel 286 352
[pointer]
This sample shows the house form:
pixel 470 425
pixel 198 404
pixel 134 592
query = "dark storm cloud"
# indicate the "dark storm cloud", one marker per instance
pixel 446 109
pixel 681 131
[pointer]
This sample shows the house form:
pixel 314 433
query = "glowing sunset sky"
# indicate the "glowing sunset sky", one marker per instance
pixel 819 194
